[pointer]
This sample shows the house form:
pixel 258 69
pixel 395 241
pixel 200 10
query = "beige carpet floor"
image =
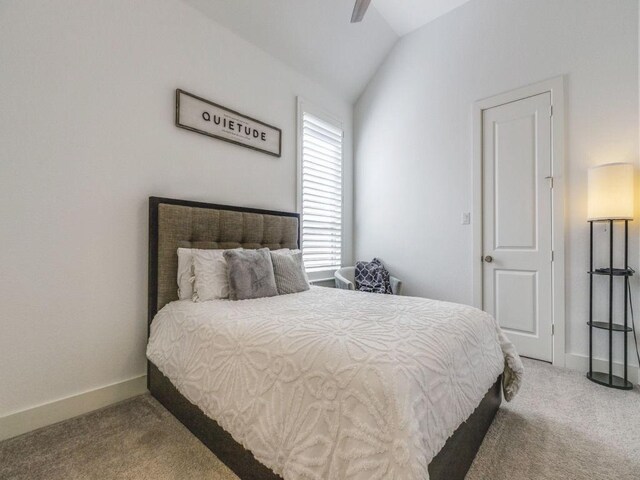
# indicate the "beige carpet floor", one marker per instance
pixel 137 439
pixel 561 426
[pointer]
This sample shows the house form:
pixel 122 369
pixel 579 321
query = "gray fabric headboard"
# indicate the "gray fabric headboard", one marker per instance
pixel 181 223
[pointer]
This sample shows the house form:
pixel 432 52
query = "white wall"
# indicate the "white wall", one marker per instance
pixel 413 145
pixel 86 135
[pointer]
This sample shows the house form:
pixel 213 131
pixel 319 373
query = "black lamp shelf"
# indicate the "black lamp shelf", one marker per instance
pixel 613 382
pixel 617 272
pixel 608 379
pixel 616 327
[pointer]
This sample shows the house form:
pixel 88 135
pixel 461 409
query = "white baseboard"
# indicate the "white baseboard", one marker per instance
pixel 59 410
pixel 581 364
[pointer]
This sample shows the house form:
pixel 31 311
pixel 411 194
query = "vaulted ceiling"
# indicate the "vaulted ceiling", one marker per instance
pixel 316 37
pixel 404 16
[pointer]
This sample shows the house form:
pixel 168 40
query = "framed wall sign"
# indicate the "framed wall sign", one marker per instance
pixel 202 116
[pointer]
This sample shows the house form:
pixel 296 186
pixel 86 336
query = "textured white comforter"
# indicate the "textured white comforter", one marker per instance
pixel 334 384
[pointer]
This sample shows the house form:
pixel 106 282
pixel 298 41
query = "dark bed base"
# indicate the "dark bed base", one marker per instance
pixel 452 463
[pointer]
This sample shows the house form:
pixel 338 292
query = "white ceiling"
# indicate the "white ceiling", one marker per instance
pixel 405 16
pixel 314 37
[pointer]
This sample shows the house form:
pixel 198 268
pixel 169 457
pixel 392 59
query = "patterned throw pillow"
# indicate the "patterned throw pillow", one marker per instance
pixel 372 277
pixel 289 272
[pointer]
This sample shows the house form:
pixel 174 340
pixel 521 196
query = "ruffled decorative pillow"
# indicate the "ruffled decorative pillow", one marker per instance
pixel 210 270
pixel 185 273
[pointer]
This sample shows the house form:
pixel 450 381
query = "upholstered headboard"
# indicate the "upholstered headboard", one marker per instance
pixel 181 223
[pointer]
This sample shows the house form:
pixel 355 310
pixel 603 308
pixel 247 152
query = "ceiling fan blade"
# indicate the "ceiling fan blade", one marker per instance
pixel 359 9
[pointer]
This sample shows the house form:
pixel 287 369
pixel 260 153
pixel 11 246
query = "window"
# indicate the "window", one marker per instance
pixel 320 190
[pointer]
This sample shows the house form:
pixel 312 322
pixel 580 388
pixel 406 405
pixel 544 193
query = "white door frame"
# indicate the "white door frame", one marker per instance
pixel 555 87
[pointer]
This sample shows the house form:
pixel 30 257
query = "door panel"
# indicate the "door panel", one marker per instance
pixel 517 222
pixel 514 170
pixel 516 294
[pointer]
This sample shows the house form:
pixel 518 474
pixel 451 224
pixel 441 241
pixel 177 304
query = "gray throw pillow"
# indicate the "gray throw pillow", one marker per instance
pixel 250 274
pixel 289 272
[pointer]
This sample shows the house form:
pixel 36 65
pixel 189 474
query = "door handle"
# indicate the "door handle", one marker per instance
pixel 488 259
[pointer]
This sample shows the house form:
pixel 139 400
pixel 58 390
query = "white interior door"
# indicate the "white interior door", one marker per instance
pixel 517 222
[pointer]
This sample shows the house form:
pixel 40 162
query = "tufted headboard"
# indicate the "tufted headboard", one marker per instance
pixel 181 223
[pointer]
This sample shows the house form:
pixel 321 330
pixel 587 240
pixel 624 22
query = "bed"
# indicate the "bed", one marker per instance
pixel 319 384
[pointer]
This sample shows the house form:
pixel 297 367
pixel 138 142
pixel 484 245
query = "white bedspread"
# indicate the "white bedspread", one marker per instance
pixel 333 384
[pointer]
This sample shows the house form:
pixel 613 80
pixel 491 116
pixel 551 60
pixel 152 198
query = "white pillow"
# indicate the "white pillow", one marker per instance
pixel 185 273
pixel 211 275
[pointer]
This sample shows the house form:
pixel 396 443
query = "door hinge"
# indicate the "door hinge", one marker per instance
pixel 550 178
pixel 551 110
pixel 552 256
pixel 553 329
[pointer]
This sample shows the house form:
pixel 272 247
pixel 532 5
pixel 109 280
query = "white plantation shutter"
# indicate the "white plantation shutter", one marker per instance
pixel 321 194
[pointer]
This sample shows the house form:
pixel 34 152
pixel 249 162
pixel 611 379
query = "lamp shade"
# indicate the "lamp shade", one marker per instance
pixel 611 192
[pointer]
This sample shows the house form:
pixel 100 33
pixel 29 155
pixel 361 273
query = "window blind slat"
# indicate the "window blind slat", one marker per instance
pixel 311 172
pixel 331 148
pixel 322 164
pixel 312 155
pixel 313 120
pixel 322 260
pixel 331 151
pixel 322 182
pixel 328 234
pixel 319 226
pixel 321 187
pixel 323 268
pixel 315 174
pixel 324 127
pixel 314 209
pixel 319 159
pixel 323 134
pixel 316 193
pixel 325 222
pixel 324 263
pixel 324 169
pixel 314 237
pixel 312 200
pixel 323 212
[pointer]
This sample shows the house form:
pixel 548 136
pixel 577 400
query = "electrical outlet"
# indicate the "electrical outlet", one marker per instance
pixel 466 218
